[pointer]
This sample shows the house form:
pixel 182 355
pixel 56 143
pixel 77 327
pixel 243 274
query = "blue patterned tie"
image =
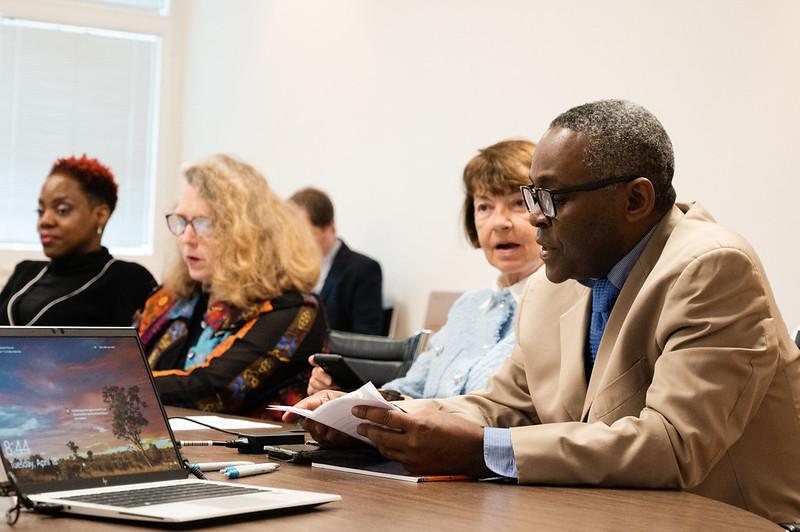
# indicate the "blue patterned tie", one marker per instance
pixel 603 296
pixel 506 299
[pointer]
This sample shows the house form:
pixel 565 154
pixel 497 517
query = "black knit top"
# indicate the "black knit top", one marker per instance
pixel 89 290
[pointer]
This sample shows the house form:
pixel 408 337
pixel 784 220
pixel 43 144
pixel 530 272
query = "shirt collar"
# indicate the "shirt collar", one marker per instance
pixel 517 288
pixel 79 262
pixel 500 291
pixel 325 266
pixel 327 259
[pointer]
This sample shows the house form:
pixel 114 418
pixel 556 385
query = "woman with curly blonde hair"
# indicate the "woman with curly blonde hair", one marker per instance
pixel 234 323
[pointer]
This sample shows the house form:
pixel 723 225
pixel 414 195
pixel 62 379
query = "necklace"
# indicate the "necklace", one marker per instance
pixel 50 305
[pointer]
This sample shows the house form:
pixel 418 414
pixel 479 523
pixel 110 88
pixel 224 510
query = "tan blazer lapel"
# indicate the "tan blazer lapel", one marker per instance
pixel 609 364
pixel 606 368
pixel 572 376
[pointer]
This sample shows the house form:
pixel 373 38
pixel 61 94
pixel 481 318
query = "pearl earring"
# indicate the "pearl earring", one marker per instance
pixel 99 229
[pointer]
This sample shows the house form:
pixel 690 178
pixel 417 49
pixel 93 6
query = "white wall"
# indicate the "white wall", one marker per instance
pixel 381 103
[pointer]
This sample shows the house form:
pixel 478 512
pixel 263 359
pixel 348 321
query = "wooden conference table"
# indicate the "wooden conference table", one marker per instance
pixel 376 504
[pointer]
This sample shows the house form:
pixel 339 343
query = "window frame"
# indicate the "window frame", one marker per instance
pixel 170 28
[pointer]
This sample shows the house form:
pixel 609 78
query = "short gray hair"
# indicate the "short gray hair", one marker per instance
pixel 624 139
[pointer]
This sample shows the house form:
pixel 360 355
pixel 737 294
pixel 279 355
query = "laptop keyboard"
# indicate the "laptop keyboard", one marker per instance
pixel 162 494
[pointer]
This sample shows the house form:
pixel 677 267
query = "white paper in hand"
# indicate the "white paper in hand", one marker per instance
pixel 337 413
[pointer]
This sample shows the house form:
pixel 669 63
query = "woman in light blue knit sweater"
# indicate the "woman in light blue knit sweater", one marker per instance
pixel 479 333
pixel 477 338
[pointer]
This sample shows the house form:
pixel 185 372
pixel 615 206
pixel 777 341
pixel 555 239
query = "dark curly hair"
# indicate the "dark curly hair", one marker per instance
pixel 624 138
pixel 95 178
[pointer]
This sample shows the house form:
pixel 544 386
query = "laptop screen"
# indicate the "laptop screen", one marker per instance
pixel 80 410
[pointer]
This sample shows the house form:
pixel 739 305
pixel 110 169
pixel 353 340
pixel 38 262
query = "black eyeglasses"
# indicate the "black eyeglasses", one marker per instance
pixel 543 197
pixel 177 224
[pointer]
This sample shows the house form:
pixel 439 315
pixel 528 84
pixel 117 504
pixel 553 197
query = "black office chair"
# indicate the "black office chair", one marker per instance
pixel 377 358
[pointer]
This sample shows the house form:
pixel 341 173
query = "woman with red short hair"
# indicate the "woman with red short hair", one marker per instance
pixel 81 284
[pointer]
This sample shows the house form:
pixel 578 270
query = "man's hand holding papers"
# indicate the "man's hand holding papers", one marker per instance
pixel 428 442
pixel 333 409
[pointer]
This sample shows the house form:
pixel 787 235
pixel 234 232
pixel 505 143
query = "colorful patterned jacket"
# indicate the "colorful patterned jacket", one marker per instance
pixel 239 363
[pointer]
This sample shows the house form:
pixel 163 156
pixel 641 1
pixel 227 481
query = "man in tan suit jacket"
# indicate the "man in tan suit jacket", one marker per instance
pixel 695 383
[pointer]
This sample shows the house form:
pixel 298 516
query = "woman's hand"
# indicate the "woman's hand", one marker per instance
pixel 320 380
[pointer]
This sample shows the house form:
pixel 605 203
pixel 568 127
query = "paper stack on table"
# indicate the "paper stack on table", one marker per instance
pixel 337 413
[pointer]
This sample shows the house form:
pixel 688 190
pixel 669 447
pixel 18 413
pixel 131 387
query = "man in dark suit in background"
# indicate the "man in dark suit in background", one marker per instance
pixel 349 282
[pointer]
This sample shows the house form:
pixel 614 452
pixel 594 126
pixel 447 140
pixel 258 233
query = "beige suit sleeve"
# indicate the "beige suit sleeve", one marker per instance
pixel 719 353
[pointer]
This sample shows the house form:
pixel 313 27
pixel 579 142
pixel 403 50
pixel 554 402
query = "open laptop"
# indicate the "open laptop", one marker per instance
pixel 81 425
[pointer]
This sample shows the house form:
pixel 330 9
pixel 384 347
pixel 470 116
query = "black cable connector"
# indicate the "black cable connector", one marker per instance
pixel 250 443
pixel 194 469
pixel 254 443
pixel 245 443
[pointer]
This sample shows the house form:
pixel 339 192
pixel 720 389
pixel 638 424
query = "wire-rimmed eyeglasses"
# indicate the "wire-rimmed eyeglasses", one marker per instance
pixel 177 224
pixel 543 197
